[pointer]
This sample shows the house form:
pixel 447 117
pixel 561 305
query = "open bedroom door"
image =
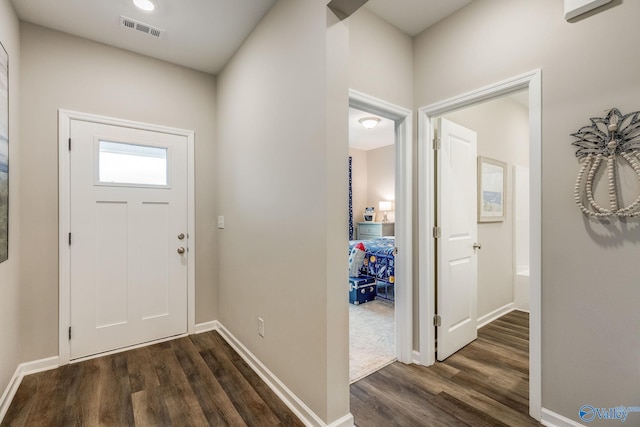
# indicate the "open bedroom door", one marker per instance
pixel 457 263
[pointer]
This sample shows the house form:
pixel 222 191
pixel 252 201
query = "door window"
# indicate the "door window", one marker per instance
pixel 126 164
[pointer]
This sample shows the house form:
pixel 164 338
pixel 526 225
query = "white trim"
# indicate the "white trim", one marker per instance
pixel 495 314
pixel 346 421
pixel 23 369
pixel 551 419
pixel 574 8
pixel 64 217
pixel 416 357
pixel 213 325
pixel 403 119
pixel 533 82
pixel 297 406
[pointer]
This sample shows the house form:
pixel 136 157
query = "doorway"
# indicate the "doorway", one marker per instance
pixel 372 172
pixel 428 266
pixel 126 226
pixel 402 295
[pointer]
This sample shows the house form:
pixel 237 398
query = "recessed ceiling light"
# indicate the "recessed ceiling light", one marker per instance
pixel 145 5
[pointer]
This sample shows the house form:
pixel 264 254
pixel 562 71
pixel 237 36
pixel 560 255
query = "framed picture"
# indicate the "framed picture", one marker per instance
pixel 4 154
pixel 492 190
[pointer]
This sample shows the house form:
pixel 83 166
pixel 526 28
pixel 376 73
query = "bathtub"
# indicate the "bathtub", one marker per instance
pixel 521 289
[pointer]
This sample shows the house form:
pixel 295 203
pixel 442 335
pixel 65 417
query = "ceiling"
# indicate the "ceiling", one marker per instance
pixel 369 139
pixel 199 34
pixel 414 16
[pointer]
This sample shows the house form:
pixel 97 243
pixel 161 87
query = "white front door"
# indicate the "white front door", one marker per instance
pixel 129 243
pixel 457 272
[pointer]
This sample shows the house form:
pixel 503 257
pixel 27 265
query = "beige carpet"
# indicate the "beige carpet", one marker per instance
pixel 371 337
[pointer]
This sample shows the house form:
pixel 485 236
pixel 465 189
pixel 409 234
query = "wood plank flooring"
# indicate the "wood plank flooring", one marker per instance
pixel 201 381
pixel 484 384
pixel 193 381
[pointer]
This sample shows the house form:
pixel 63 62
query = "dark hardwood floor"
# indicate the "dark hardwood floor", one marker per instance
pixel 194 381
pixel 484 384
pixel 200 380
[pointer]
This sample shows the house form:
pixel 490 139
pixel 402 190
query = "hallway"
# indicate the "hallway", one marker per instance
pixel 484 384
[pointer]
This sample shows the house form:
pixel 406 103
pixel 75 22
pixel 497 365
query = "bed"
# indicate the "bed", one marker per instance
pixel 379 263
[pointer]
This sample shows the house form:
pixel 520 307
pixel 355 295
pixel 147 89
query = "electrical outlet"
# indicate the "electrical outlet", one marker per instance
pixel 261 327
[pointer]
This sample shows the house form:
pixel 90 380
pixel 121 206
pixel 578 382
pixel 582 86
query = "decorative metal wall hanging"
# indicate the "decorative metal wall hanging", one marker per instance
pixel 606 140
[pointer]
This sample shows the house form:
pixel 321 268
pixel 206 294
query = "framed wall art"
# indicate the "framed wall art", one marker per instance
pixel 492 190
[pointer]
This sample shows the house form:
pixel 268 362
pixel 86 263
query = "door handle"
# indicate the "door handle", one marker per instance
pixel 477 246
pixel 180 250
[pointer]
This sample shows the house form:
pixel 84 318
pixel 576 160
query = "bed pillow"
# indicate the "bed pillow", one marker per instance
pixel 356 258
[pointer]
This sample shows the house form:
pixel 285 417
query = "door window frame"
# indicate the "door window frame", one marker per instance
pixel 64 214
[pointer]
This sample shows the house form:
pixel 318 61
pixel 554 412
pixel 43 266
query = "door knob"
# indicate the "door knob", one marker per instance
pixel 181 250
pixel 477 246
pixel 181 236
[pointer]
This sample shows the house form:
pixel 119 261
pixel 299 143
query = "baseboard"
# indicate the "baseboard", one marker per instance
pixel 495 314
pixel 551 419
pixel 346 421
pixel 9 392
pixel 416 357
pixel 23 369
pixel 213 325
pixel 297 406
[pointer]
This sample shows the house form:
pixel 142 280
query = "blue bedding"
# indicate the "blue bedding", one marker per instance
pixel 379 261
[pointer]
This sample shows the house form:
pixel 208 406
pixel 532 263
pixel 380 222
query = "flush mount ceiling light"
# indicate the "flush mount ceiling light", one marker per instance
pixel 369 122
pixel 145 5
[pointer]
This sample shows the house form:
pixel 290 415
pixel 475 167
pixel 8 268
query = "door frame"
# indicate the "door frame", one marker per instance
pixel 64 218
pixel 403 119
pixel 426 205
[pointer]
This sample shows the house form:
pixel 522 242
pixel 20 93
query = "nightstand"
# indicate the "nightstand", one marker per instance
pixel 372 230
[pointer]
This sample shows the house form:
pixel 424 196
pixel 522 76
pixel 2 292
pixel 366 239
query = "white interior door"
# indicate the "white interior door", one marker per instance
pixel 129 243
pixel 457 266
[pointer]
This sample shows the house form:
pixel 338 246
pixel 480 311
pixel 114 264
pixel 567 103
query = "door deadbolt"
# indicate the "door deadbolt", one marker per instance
pixel 181 236
pixel 180 250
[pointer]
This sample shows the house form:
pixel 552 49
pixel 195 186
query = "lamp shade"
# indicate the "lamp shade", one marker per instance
pixel 385 206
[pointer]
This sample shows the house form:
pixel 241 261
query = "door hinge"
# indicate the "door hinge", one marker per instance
pixel 437 320
pixel 436 140
pixel 395 251
pixel 69 144
pixel 436 232
pixel 69 332
pixel 69 239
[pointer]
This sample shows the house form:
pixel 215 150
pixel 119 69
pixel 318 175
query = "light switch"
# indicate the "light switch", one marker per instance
pixel 221 222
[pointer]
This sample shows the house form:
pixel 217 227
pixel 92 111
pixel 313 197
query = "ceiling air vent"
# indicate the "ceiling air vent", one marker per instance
pixel 142 27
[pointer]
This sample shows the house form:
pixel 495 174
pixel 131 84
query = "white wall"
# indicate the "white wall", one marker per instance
pixel 590 292
pixel 380 59
pixel 381 65
pixel 502 126
pixel 9 270
pixel 282 184
pixel 373 180
pixel 381 174
pixel 63 71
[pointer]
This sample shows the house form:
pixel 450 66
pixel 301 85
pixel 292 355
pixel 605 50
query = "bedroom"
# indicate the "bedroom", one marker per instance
pixel 372 155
